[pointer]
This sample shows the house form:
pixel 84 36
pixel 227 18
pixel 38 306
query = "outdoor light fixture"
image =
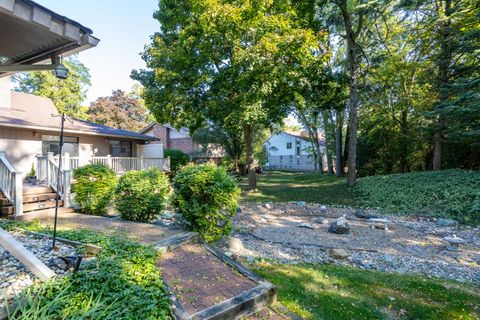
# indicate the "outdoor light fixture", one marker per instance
pixel 61 72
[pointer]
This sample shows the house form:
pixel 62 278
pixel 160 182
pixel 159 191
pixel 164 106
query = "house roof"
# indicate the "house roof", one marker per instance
pixel 300 135
pixel 34 112
pixel 32 33
pixel 166 125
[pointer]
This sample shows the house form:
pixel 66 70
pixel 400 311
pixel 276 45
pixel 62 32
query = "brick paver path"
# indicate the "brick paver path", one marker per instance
pixel 143 232
pixel 199 279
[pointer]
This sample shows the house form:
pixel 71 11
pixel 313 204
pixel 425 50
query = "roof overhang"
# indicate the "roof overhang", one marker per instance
pixel 33 34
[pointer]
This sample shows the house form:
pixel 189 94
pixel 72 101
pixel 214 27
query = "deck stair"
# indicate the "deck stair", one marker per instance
pixel 37 199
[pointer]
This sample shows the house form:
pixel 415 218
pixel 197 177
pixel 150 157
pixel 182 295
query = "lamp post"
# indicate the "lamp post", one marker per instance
pixel 59 170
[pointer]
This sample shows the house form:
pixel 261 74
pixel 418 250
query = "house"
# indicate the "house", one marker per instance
pixel 180 139
pixel 290 151
pixel 34 38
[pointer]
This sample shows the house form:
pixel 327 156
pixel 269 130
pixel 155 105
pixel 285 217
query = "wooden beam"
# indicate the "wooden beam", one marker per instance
pixel 26 257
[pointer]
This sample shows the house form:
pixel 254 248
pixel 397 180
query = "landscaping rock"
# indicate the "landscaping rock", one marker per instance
pixel 301 203
pixel 305 225
pixel 268 205
pixel 323 209
pixel 234 244
pixel 339 226
pixel 321 220
pixel 338 254
pixel 446 223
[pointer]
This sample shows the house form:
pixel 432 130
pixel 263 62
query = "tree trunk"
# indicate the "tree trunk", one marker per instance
pixel 326 126
pixel 443 66
pixel 338 144
pixel 404 144
pixel 345 149
pixel 248 136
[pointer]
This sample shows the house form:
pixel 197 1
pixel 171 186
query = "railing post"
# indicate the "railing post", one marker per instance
pixel 109 161
pixel 49 158
pixel 66 161
pixel 66 192
pixel 18 186
pixel 141 163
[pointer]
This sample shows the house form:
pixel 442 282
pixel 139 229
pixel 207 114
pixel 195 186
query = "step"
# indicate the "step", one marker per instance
pixel 39 214
pixel 39 197
pixel 29 189
pixel 4 202
pixel 41 205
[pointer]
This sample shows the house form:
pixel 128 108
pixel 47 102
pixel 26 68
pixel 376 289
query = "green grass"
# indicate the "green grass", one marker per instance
pixel 338 292
pixel 448 193
pixel 279 186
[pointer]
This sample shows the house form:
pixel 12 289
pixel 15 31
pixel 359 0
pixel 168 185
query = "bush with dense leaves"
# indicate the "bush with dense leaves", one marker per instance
pixel 178 158
pixel 94 187
pixel 141 195
pixel 447 193
pixel 207 197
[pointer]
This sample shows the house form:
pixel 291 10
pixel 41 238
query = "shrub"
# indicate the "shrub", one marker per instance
pixel 447 193
pixel 94 187
pixel 178 158
pixel 141 195
pixel 207 197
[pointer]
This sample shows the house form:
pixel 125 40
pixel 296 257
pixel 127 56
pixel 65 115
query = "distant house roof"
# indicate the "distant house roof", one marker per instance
pixel 300 135
pixel 166 125
pixel 34 112
pixel 32 33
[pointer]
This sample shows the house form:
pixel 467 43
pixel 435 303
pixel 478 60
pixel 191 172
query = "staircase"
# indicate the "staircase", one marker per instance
pixel 37 200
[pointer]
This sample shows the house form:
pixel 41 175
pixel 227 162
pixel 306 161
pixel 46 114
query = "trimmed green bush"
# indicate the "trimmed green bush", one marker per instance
pixel 207 197
pixel 448 193
pixel 141 195
pixel 94 186
pixel 178 158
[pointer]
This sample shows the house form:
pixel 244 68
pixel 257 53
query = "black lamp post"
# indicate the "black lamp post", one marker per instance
pixel 59 170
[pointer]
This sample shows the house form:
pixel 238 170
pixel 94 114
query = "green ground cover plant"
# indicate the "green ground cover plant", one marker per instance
pixel 207 198
pixel 141 195
pixel 121 283
pixel 94 187
pixel 339 292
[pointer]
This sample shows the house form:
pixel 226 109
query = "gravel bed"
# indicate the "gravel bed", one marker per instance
pixel 15 277
pixel 412 245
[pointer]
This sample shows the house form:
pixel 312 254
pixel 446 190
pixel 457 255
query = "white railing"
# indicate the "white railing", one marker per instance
pixel 47 171
pixel 11 184
pixel 119 164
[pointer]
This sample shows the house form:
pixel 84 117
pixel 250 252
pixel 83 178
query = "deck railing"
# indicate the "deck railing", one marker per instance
pixel 47 171
pixel 11 184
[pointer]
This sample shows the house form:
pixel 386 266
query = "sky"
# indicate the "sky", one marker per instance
pixel 124 27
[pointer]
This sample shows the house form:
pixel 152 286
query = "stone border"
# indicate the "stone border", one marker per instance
pixel 244 304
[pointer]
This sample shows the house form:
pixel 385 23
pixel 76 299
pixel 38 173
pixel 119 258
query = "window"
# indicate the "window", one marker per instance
pixel 120 148
pixel 281 158
pixel 51 143
pixel 291 158
pixel 289 145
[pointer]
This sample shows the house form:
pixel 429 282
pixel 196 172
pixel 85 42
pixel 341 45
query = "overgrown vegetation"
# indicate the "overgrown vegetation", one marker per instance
pixel 94 187
pixel 339 292
pixel 178 158
pixel 121 283
pixel 141 195
pixel 206 196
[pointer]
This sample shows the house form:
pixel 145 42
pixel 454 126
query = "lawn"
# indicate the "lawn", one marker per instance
pixel 338 292
pixel 281 186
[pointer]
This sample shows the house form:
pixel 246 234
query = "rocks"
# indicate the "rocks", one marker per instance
pixel 338 254
pixel 234 244
pixel 305 225
pixel 267 205
pixel 446 223
pixel 323 209
pixel 301 203
pixel 339 226
pixel 454 242
pixel 321 220
pixel 361 214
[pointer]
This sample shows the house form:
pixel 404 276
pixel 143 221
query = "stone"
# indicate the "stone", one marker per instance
pixel 339 254
pixel 323 209
pixel 268 205
pixel 454 242
pixel 301 203
pixel 321 220
pixel 239 210
pixel 167 215
pixel 383 222
pixel 446 223
pixel 305 225
pixel 234 244
pixel 339 226
pixel 360 214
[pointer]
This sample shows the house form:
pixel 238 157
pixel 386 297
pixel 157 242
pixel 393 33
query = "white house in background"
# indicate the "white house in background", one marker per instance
pixel 290 151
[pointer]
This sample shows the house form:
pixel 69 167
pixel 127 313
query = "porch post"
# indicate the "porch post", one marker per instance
pixel 67 184
pixel 17 178
pixel 66 157
pixel 109 161
pixel 47 167
pixel 141 163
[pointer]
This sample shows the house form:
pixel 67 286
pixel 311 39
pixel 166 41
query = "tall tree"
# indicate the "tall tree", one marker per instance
pixel 67 95
pixel 233 61
pixel 119 111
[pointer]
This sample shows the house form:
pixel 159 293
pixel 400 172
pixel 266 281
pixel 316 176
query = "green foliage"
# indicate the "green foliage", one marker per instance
pixel 121 283
pixel 340 292
pixel 449 193
pixel 94 187
pixel 207 197
pixel 141 195
pixel 32 172
pixel 67 95
pixel 178 158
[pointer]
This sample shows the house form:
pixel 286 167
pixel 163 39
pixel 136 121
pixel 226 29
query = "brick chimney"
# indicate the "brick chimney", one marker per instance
pixel 5 93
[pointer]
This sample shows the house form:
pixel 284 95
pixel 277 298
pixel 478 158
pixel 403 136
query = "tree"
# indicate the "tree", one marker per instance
pixel 119 111
pixel 233 61
pixel 67 95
